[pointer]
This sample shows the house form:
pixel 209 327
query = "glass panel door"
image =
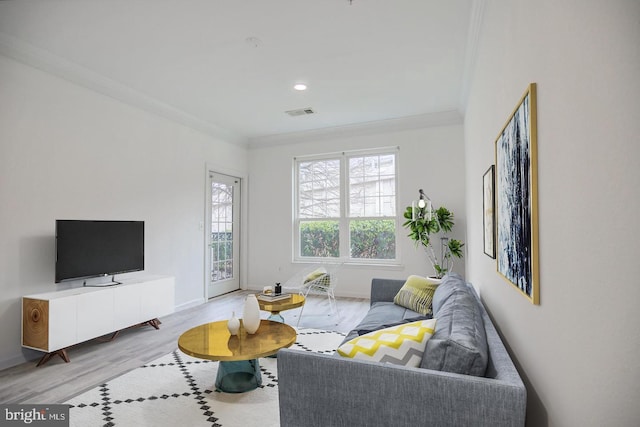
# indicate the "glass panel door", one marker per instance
pixel 223 231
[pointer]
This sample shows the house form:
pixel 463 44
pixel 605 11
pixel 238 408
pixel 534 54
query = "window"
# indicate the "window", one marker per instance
pixel 346 207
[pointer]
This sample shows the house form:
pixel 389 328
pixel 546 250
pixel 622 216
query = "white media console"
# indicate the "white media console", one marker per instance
pixel 54 321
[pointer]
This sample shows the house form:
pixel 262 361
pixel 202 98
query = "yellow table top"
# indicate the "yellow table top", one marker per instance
pixel 214 342
pixel 295 301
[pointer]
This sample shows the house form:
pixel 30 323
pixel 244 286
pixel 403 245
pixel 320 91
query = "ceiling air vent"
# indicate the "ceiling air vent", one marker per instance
pixel 300 112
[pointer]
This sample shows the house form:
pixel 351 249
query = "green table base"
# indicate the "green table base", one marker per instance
pixel 276 317
pixel 238 377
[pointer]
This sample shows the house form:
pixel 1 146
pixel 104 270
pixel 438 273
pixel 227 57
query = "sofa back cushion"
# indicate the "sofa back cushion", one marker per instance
pixel 451 283
pixel 459 344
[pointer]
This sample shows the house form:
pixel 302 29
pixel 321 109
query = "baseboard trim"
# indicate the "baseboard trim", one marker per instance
pixel 26 355
pixel 190 304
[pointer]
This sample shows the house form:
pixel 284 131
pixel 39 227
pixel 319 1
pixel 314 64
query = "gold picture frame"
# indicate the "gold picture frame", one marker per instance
pixel 488 212
pixel 516 165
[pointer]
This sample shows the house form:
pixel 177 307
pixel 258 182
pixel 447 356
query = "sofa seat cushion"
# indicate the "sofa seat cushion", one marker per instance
pixel 459 344
pixel 402 344
pixel 383 314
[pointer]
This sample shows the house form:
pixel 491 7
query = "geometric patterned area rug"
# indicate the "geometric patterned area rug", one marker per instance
pixel 179 390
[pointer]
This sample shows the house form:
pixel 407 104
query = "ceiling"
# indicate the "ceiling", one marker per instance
pixel 227 67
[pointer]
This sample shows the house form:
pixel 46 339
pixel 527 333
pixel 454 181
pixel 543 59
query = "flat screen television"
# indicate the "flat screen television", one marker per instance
pixel 87 249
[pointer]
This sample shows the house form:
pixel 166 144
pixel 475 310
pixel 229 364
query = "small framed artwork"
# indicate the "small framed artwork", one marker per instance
pixel 488 217
pixel 517 198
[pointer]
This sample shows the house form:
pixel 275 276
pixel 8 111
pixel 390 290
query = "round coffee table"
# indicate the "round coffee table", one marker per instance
pixel 275 307
pixel 238 370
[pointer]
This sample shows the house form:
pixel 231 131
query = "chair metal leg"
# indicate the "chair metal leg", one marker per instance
pixel 330 303
pixel 300 316
pixel 302 308
pixel 333 305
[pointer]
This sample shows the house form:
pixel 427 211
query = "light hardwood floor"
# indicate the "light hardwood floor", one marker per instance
pixel 93 362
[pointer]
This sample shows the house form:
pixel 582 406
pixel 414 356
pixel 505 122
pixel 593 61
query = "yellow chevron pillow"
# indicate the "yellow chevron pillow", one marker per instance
pixel 401 345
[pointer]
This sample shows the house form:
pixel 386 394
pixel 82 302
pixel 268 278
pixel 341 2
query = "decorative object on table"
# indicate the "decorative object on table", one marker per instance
pixel 233 324
pixel 517 198
pixel 273 297
pixel 278 289
pixel 427 225
pixel 488 217
pixel 251 314
pixel 267 290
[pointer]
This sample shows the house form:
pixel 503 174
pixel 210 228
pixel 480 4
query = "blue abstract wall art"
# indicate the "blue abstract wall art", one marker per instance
pixel 516 198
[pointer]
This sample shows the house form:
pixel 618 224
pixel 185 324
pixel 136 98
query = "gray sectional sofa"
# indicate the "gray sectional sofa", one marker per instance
pixel 466 377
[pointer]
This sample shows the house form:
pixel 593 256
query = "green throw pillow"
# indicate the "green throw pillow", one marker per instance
pixel 314 275
pixel 416 294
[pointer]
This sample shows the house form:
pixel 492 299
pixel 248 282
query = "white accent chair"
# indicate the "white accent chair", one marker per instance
pixel 315 281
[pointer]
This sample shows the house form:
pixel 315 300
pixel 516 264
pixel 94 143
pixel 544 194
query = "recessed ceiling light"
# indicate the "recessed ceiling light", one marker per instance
pixel 300 86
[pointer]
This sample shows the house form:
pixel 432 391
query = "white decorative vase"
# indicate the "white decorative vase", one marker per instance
pixel 233 324
pixel 251 314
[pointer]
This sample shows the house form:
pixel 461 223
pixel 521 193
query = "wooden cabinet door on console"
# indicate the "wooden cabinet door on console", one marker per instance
pixel 49 325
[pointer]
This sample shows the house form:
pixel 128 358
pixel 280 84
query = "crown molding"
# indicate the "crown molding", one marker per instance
pixel 444 118
pixel 38 58
pixel 471 56
pixel 35 57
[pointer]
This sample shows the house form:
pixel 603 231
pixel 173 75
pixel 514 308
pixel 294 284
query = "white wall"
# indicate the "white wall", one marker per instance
pixel 68 152
pixel 577 350
pixel 429 158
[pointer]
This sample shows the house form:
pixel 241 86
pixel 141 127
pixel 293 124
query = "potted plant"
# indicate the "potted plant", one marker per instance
pixel 428 226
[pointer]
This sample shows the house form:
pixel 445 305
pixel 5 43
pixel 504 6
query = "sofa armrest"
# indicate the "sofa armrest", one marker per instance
pixel 385 289
pixel 317 389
